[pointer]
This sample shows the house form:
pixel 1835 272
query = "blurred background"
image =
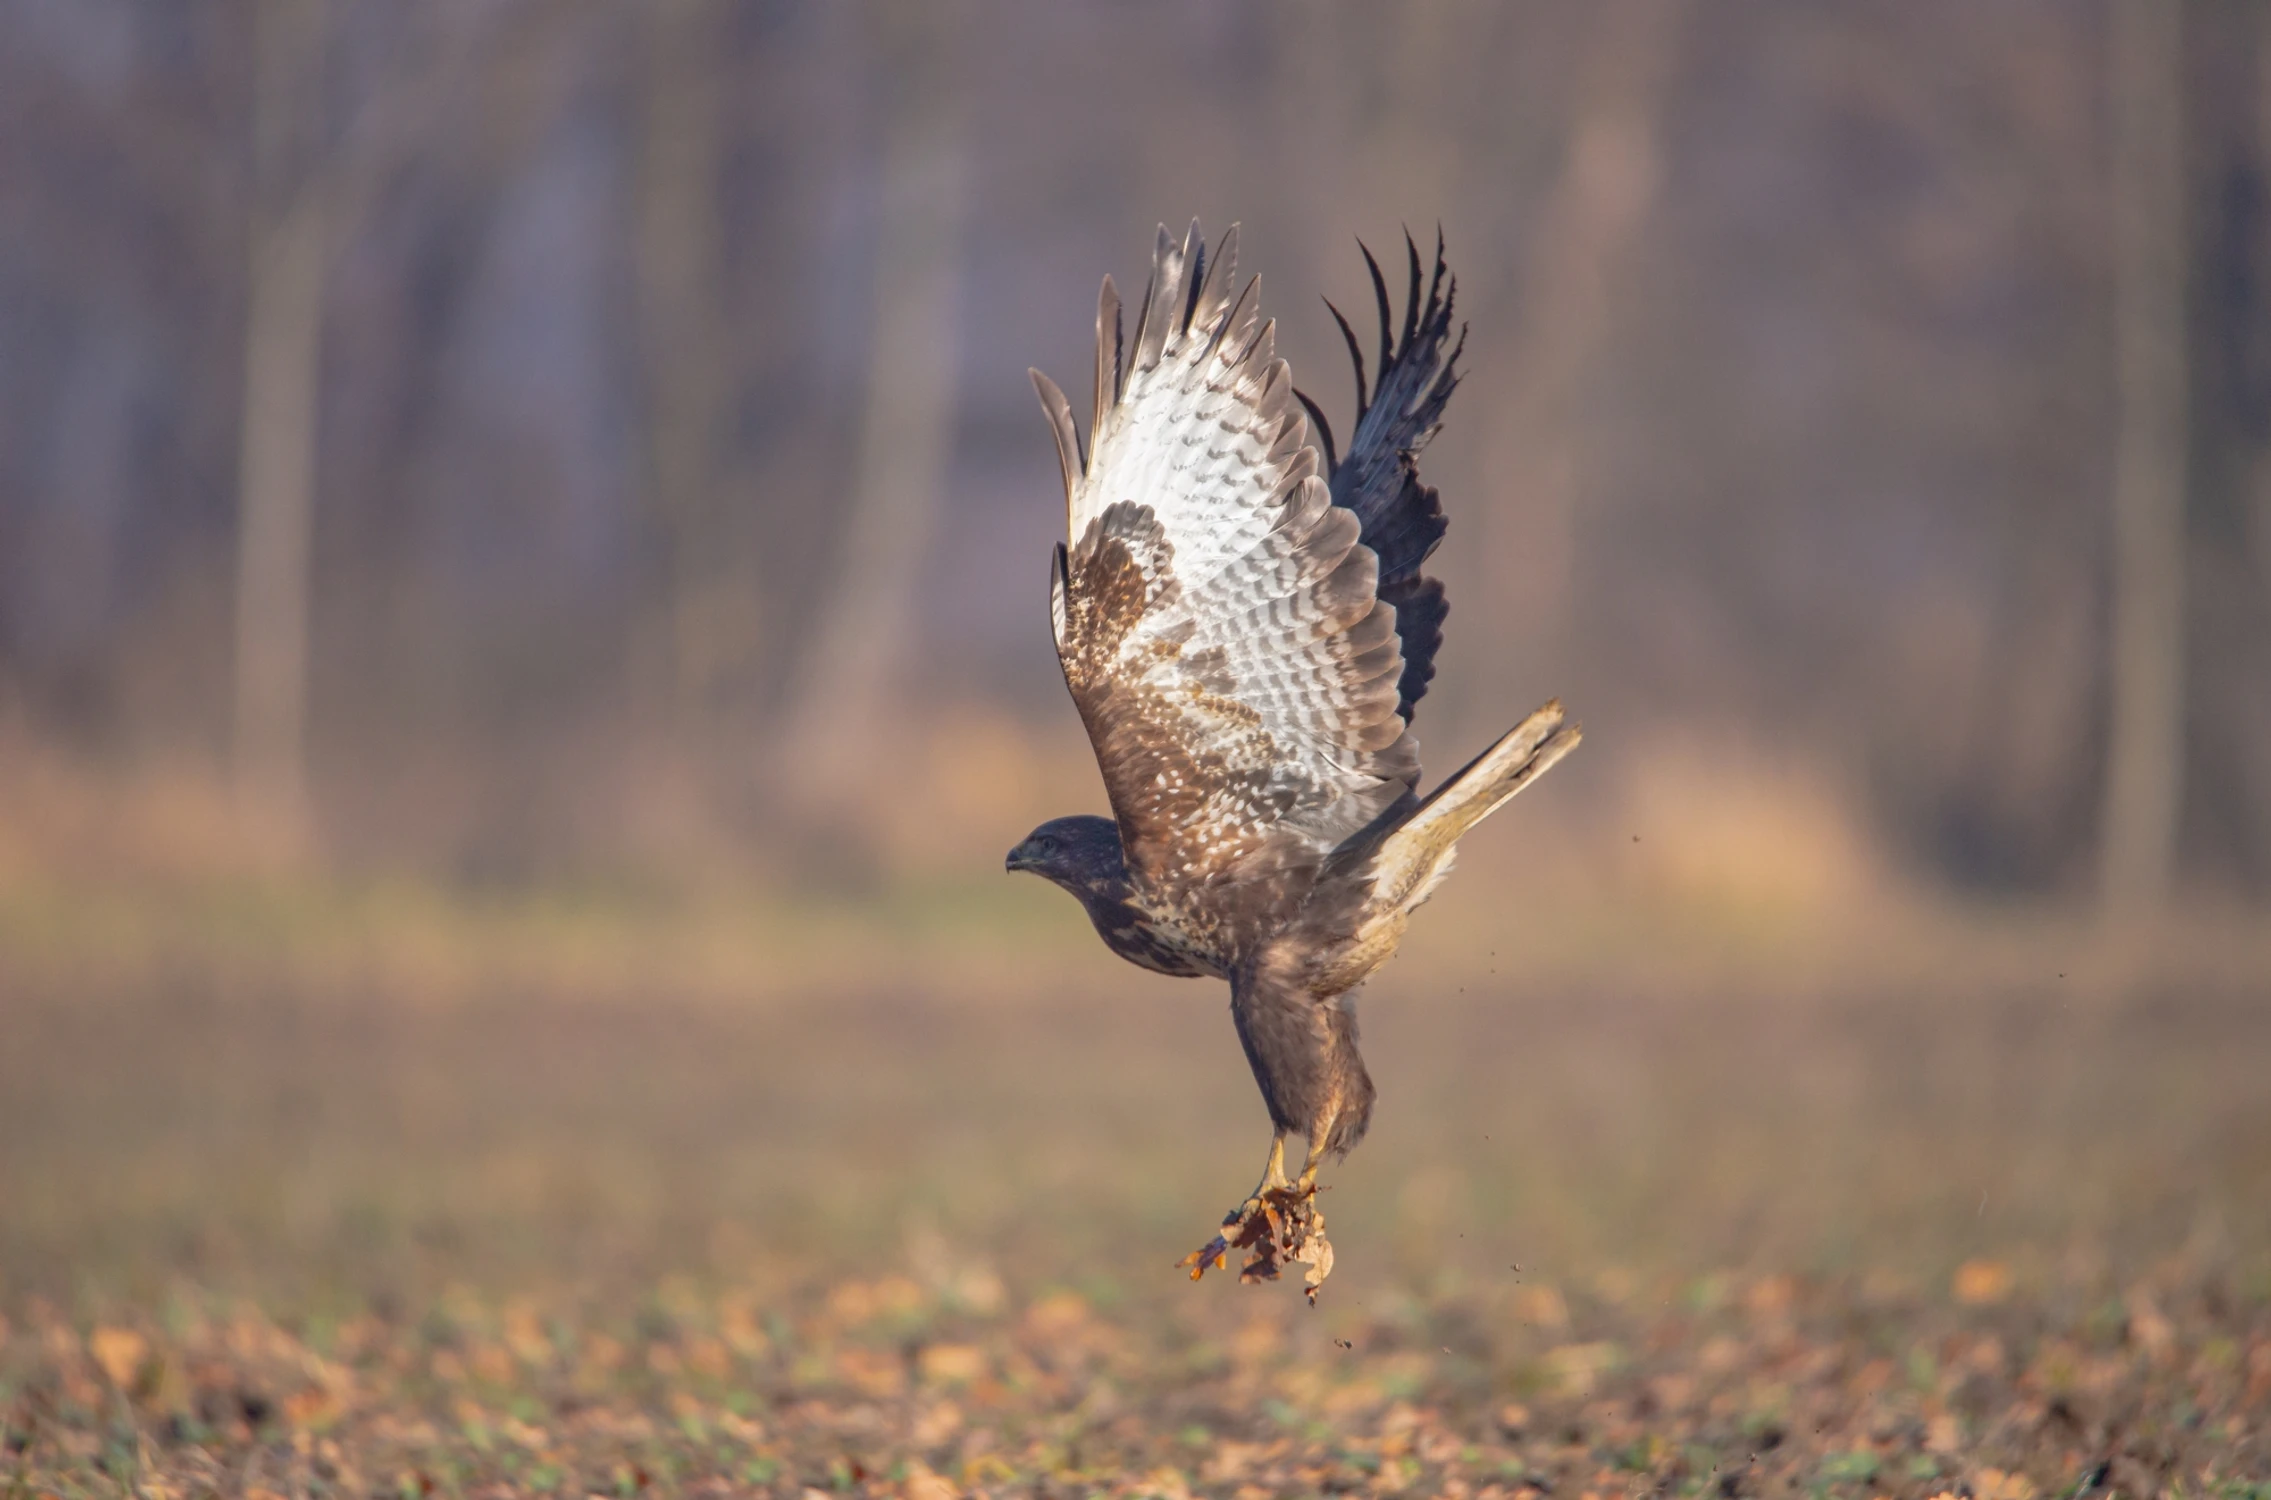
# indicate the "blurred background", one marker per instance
pixel 523 533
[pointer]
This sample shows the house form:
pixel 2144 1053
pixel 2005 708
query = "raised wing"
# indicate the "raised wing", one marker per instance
pixel 1378 478
pixel 1217 618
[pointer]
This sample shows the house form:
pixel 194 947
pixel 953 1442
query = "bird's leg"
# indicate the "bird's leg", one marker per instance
pixel 1279 1223
pixel 1273 1175
pixel 1238 1226
pixel 1273 1180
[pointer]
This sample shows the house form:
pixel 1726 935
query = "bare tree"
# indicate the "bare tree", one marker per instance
pixel 688 369
pixel 283 344
pixel 1586 227
pixel 310 193
pixel 2145 743
pixel 2261 520
pixel 839 699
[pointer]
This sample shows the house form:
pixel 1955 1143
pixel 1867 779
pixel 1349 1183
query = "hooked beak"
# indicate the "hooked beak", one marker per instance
pixel 1020 858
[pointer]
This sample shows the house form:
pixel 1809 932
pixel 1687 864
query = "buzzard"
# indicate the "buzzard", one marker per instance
pixel 1246 632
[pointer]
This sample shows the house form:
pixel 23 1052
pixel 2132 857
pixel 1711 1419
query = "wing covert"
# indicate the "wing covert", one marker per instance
pixel 1217 616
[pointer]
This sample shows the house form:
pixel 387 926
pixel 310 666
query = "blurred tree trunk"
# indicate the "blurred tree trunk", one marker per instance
pixel 2262 468
pixel 840 702
pixel 2251 717
pixel 1566 294
pixel 2261 520
pixel 2145 744
pixel 688 364
pixel 283 348
pixel 311 190
pixel 2225 828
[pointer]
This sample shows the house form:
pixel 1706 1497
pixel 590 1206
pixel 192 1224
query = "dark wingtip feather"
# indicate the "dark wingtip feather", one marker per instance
pixel 1324 429
pixel 1235 315
pixel 1442 270
pixel 1356 355
pixel 1411 294
pixel 1109 349
pixel 1070 458
pixel 1380 296
pixel 1194 272
pixel 1421 610
pixel 1399 406
pixel 1143 325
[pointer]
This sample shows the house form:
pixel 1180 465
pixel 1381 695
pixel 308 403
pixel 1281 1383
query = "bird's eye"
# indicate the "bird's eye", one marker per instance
pixel 1048 844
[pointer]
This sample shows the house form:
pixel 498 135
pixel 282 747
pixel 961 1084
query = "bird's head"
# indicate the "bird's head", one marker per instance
pixel 1082 854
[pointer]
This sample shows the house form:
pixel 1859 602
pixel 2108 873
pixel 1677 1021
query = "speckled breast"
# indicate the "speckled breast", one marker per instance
pixel 1150 942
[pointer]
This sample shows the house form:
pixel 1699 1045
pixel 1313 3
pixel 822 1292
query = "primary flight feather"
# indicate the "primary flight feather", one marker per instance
pixel 1246 632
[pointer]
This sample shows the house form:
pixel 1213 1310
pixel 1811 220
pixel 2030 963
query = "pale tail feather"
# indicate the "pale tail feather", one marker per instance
pixel 1413 849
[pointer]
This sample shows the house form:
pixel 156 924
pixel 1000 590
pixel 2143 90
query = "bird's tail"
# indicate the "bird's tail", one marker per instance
pixel 1408 853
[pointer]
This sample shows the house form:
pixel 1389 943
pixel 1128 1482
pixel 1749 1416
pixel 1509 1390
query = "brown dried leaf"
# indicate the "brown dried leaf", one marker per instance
pixel 120 1352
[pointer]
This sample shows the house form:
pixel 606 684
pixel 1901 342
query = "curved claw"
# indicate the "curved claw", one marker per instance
pixel 1212 1256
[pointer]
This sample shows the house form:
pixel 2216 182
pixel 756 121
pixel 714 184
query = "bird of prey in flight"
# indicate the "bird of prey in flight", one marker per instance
pixel 1246 632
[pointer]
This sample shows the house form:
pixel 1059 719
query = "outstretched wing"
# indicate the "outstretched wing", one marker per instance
pixel 1216 615
pixel 1378 478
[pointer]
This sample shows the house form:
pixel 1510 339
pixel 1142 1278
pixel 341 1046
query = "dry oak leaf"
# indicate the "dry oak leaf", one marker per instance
pixel 1981 1283
pixel 925 1484
pixel 120 1352
pixel 952 1364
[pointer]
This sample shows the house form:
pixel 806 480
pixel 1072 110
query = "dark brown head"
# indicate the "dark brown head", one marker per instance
pixel 1082 854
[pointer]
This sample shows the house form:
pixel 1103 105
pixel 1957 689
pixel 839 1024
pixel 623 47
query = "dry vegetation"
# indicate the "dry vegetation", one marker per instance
pixel 930 1387
pixel 270 1228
